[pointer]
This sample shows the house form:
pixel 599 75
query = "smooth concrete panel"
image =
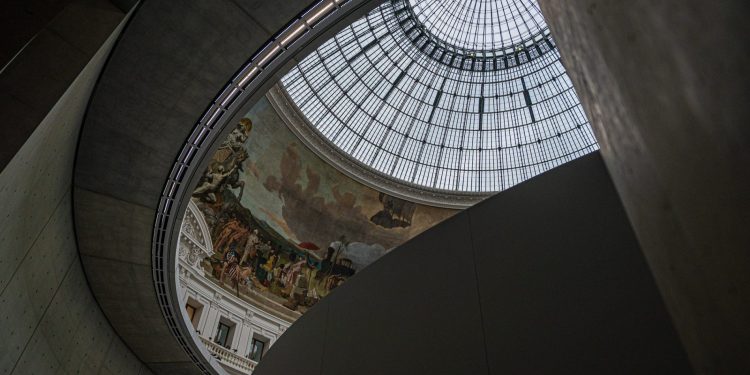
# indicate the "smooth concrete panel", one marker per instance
pixel 61 327
pixel 116 230
pixel 665 85
pixel 24 121
pixel 307 342
pixel 71 329
pixel 35 69
pixel 414 311
pixel 125 293
pixel 50 322
pixel 121 360
pixel 41 362
pixel 48 63
pixel 26 297
pixel 415 306
pixel 173 368
pixel 74 336
pixel 46 160
pixel 168 66
pixel 85 24
pixel 21 20
pixel 562 277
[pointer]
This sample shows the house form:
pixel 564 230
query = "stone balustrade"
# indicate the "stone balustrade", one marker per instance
pixel 228 357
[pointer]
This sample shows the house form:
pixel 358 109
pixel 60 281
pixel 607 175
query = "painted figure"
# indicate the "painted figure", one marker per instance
pixel 239 135
pixel 232 232
pixel 251 247
pixel 230 263
pixel 211 183
pixel 233 180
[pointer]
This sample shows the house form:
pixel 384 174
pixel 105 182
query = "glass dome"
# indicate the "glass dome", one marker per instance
pixel 398 92
pixel 479 25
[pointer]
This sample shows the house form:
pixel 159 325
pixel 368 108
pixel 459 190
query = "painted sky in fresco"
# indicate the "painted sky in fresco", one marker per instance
pixel 304 198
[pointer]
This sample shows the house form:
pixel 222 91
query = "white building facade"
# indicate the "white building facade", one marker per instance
pixel 234 331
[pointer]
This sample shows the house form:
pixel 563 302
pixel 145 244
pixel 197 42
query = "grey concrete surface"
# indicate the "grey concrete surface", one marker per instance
pixel 168 66
pixel 544 278
pixel 50 322
pixel 63 38
pixel 21 20
pixel 413 312
pixel 166 69
pixel 677 155
pixel 560 271
pixel 666 85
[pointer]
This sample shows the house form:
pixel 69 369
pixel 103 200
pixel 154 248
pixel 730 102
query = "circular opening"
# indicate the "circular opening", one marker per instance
pixel 442 124
pixel 479 25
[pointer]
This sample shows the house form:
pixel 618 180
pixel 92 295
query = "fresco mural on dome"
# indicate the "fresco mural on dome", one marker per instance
pixel 287 228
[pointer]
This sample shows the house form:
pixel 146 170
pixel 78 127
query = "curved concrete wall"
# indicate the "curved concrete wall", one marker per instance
pixel 174 59
pixel 550 280
pixel 666 87
pixel 49 319
pixel 170 63
pixel 44 46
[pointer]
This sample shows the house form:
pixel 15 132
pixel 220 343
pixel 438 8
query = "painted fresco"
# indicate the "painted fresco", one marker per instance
pixel 287 228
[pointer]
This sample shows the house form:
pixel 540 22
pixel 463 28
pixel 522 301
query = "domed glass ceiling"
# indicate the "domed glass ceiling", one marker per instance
pixel 460 96
pixel 481 25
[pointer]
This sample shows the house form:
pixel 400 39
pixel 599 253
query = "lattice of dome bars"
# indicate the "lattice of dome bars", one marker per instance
pixel 479 25
pixel 378 97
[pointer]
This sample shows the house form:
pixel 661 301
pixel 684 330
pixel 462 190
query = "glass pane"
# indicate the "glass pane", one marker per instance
pixel 256 351
pixel 222 334
pixel 448 85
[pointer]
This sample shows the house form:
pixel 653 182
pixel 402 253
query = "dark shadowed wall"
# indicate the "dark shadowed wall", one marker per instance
pixel 546 277
pixel 666 85
pixel 50 322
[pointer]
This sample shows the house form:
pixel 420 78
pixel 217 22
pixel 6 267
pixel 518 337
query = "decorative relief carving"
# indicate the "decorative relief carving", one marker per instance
pixel 195 239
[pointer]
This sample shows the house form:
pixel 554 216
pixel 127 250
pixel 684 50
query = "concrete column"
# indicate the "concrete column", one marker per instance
pixel 665 85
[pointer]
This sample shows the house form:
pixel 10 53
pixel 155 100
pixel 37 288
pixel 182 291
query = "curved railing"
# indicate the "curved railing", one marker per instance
pixel 228 357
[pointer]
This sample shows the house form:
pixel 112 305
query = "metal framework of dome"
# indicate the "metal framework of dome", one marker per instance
pixel 455 97
pixel 479 26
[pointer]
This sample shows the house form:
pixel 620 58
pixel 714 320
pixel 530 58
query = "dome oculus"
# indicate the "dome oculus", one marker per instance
pixel 388 93
pixel 479 25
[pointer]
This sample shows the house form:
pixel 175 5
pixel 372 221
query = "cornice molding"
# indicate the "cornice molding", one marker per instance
pixel 296 121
